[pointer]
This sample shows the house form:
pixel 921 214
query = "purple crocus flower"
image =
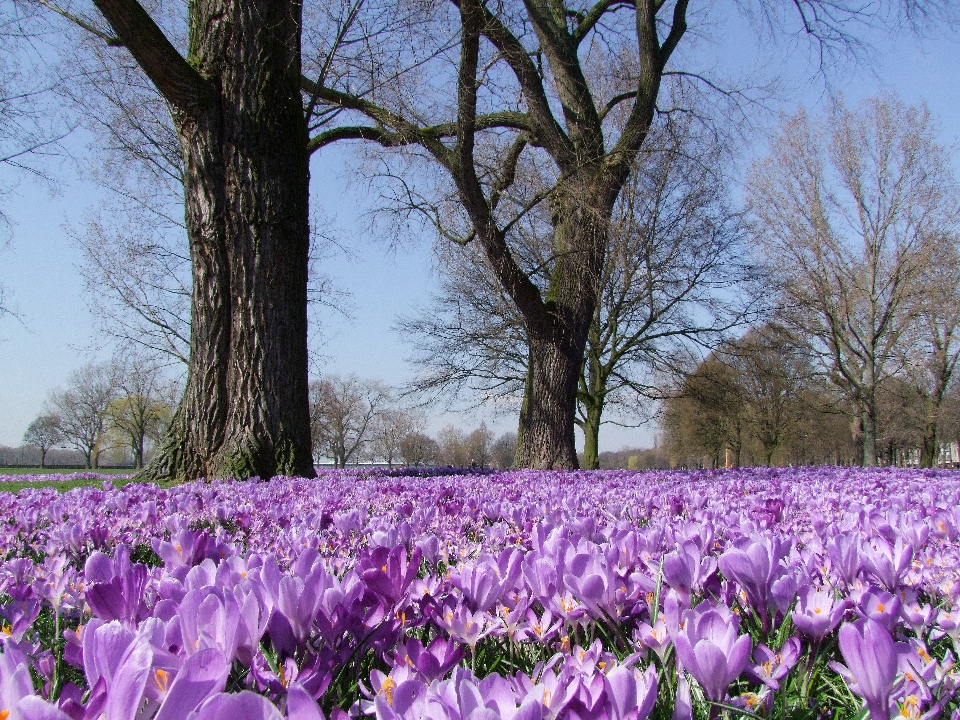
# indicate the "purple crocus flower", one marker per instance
pixel 202 675
pixel 871 658
pixel 710 648
pixel 887 564
pixel 844 552
pixel 683 703
pixel 771 667
pixel 431 662
pixel 116 586
pixel 300 706
pixel 684 570
pixel 630 693
pixel 818 613
pixel 229 706
pixel 387 572
pixel 881 606
pixel 15 681
pixel 755 565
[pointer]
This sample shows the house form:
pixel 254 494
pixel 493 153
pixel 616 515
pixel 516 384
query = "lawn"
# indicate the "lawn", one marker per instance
pixel 14 479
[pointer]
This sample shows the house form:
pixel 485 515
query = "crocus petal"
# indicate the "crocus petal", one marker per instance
pixel 300 706
pixel 229 706
pixel 33 707
pixel 712 670
pixel 126 692
pixel 738 658
pixel 683 704
pixel 204 674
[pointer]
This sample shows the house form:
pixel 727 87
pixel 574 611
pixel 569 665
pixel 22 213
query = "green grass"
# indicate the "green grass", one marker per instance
pixel 16 486
pixel 61 485
pixel 61 471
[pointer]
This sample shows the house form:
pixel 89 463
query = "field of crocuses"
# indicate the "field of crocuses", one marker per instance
pixel 787 593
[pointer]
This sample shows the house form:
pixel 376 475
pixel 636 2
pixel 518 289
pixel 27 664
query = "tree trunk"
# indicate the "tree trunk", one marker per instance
pixel 138 452
pixel 524 409
pixel 930 447
pixel 557 329
pixel 548 435
pixel 244 411
pixel 869 430
pixel 593 383
pixel 591 435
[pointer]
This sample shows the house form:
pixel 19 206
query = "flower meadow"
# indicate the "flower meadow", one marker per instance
pixel 787 593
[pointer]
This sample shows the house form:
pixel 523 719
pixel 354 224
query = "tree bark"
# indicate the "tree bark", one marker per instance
pixel 548 432
pixel 591 436
pixel 244 143
pixel 557 327
pixel 869 429
pixel 929 450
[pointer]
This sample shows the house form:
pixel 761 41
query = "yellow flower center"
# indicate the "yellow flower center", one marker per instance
pixel 161 677
pixel 387 689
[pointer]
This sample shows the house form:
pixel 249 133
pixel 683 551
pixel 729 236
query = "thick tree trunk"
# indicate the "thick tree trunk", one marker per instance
pixel 244 411
pixel 557 338
pixel 869 430
pixel 548 436
pixel 930 448
pixel 591 435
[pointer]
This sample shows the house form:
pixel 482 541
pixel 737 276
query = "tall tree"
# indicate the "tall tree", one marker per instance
pixel 44 432
pixel 516 82
pixel 848 210
pixel 772 372
pixel 235 103
pixel 343 412
pixel 676 273
pixel 705 417
pixel 931 349
pixel 82 408
pixel 139 411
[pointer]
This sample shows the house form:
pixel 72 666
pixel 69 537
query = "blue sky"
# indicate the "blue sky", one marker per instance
pixel 38 268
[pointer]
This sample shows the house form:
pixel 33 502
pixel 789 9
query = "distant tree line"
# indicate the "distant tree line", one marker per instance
pixel 353 420
pixel 115 411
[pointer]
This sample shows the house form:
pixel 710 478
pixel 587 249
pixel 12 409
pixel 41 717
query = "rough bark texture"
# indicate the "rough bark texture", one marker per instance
pixel 928 452
pixel 548 434
pixel 245 408
pixel 869 430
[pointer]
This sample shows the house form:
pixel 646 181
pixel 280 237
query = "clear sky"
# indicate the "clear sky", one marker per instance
pixel 56 334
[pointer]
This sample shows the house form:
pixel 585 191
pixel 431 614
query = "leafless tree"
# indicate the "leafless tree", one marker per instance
pixel 140 410
pixel 479 446
pixel 418 449
pixel 451 449
pixel 772 373
pixel 705 416
pixel 848 210
pixel 389 429
pixel 676 273
pixel 343 410
pixel 241 126
pixel 83 408
pixel 44 432
pixel 503 452
pixel 930 348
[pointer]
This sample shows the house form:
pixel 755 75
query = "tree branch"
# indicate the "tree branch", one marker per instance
pixel 359 132
pixel 589 20
pixel 180 84
pixel 111 40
